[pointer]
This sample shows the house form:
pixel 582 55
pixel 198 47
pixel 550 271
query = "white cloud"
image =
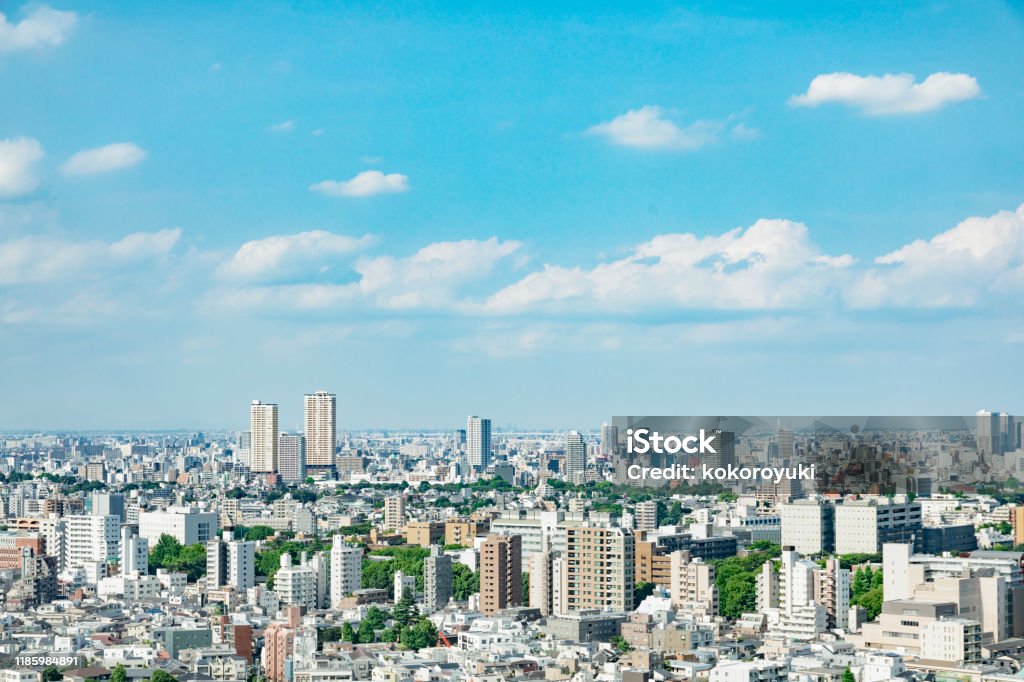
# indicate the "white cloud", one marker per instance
pixel 365 184
pixel 104 159
pixel 18 156
pixel 770 265
pixel 282 254
pixel 36 259
pixel 43 26
pixel 283 126
pixel 981 257
pixel 649 128
pixel 431 278
pixel 889 94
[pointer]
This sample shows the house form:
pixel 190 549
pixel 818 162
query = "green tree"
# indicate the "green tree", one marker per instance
pixel 331 634
pixel 376 617
pixel 365 634
pixel 165 551
pixel 871 600
pixel 620 643
pixel 464 582
pixel 642 591
pixel 257 533
pixel 51 674
pixel 119 674
pixel 422 634
pixel 848 675
pixel 171 555
pixel 526 589
pixel 739 595
pixel 405 612
pixel 348 634
pixel 162 676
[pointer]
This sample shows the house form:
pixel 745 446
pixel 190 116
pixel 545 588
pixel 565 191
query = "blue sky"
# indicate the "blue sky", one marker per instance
pixel 547 213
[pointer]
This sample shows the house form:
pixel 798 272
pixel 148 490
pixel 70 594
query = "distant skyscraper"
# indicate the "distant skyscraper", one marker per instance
pixel 244 451
pixel 996 433
pixel 263 437
pixel 575 457
pixel 609 439
pixel 321 428
pixel 291 457
pixel 785 444
pixel 478 442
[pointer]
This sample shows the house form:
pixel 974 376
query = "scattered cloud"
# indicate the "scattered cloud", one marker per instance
pixel 215 67
pixel 742 131
pixel 284 254
pixel 768 266
pixel 18 157
pixel 104 159
pixel 981 258
pixel 282 127
pixel 41 27
pixel 890 94
pixel 36 259
pixel 649 128
pixel 431 278
pixel 367 183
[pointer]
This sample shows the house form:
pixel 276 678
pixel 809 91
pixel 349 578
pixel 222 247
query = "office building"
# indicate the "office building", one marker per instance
pixel 291 457
pixel 646 515
pixel 134 551
pixel 832 590
pixel 187 525
pixel 575 457
pixel 692 585
pixel 321 429
pixel 241 565
pixel 107 504
pixel 501 573
pixel 404 586
pixel 92 541
pixel 263 437
pixel 346 570
pixel 599 568
pixel 865 525
pixel 394 513
pixel 809 526
pixel 296 585
pixel 437 580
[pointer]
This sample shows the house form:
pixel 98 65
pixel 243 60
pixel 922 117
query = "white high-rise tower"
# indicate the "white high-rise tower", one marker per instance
pixel 321 428
pixel 263 437
pixel 478 442
pixel 575 457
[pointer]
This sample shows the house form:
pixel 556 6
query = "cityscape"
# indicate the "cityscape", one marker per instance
pixel 479 554
pixel 531 341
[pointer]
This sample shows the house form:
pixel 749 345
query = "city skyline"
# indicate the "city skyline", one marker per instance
pixel 505 201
